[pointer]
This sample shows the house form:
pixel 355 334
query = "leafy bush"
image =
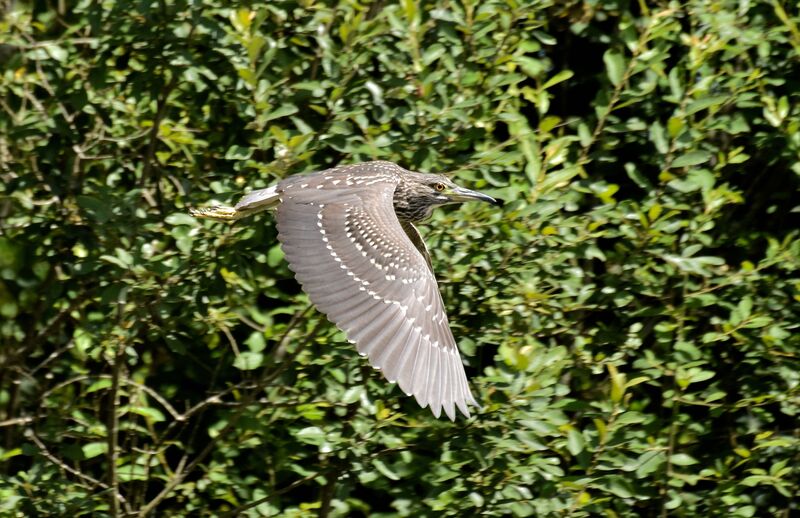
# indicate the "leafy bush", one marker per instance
pixel 629 321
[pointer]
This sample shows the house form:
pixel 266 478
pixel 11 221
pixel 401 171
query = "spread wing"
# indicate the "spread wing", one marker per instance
pixel 359 267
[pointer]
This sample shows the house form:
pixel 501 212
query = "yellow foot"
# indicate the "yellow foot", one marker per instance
pixel 221 212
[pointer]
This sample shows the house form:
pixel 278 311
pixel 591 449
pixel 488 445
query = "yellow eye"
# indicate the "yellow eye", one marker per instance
pixel 439 187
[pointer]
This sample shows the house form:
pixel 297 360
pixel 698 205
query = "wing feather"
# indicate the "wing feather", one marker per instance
pixel 448 386
pixel 364 331
pixel 421 375
pixel 386 338
pixel 435 379
pixel 404 361
pixel 370 275
pixel 394 340
pixel 351 309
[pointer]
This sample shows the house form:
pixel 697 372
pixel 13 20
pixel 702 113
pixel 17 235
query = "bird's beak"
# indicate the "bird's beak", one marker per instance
pixel 460 194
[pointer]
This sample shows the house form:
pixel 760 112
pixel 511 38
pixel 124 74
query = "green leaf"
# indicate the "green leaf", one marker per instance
pixel 98 210
pixel 617 383
pixel 558 78
pixel 615 66
pixel 150 413
pixel 9 454
pixel 93 449
pixel 384 470
pixel 311 435
pixel 695 180
pixel 557 179
pixel 530 66
pixel 248 360
pixel 575 441
pixel 238 153
pixel 256 341
pixel 706 102
pixel 132 472
pixel 275 256
pixel 282 111
pixel 758 321
pixel 682 459
pixel 8 305
pixel 659 138
pixel 618 486
pixel 650 462
pixel 99 384
pixel 10 254
pixel 115 261
pixel 691 158
pixel 180 218
pixel 697 265
pixel 698 375
pixel 352 395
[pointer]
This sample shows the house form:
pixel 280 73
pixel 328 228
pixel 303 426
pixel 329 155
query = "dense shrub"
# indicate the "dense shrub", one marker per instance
pixel 629 320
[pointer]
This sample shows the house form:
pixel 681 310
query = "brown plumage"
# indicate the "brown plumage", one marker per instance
pixel 348 235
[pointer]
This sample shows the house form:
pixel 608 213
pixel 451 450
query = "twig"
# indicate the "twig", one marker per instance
pixel 113 429
pixel 326 496
pixel 31 340
pixel 279 492
pixel 231 340
pixel 18 420
pixel 216 399
pixel 29 433
pixel 150 152
pixel 155 395
pixel 181 473
pixel 615 96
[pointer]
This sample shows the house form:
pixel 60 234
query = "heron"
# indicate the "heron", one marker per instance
pixel 348 234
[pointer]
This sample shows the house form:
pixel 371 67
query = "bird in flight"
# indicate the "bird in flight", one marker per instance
pixel 348 234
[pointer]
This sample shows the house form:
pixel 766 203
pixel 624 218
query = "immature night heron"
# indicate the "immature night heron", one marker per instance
pixel 348 235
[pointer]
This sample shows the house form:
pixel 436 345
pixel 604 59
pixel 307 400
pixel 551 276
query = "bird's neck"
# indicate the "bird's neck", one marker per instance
pixel 409 212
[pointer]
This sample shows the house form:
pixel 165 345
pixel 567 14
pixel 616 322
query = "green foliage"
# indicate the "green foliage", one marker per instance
pixel 629 320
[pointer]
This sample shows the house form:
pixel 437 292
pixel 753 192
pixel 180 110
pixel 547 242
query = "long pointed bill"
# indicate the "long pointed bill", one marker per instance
pixel 460 194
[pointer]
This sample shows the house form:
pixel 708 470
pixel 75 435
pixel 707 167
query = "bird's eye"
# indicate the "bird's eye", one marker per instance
pixel 439 187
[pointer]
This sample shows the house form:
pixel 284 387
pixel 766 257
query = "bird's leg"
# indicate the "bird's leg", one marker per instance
pixel 219 212
pixel 250 204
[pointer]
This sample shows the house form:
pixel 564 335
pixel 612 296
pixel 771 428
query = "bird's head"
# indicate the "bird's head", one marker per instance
pixel 418 194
